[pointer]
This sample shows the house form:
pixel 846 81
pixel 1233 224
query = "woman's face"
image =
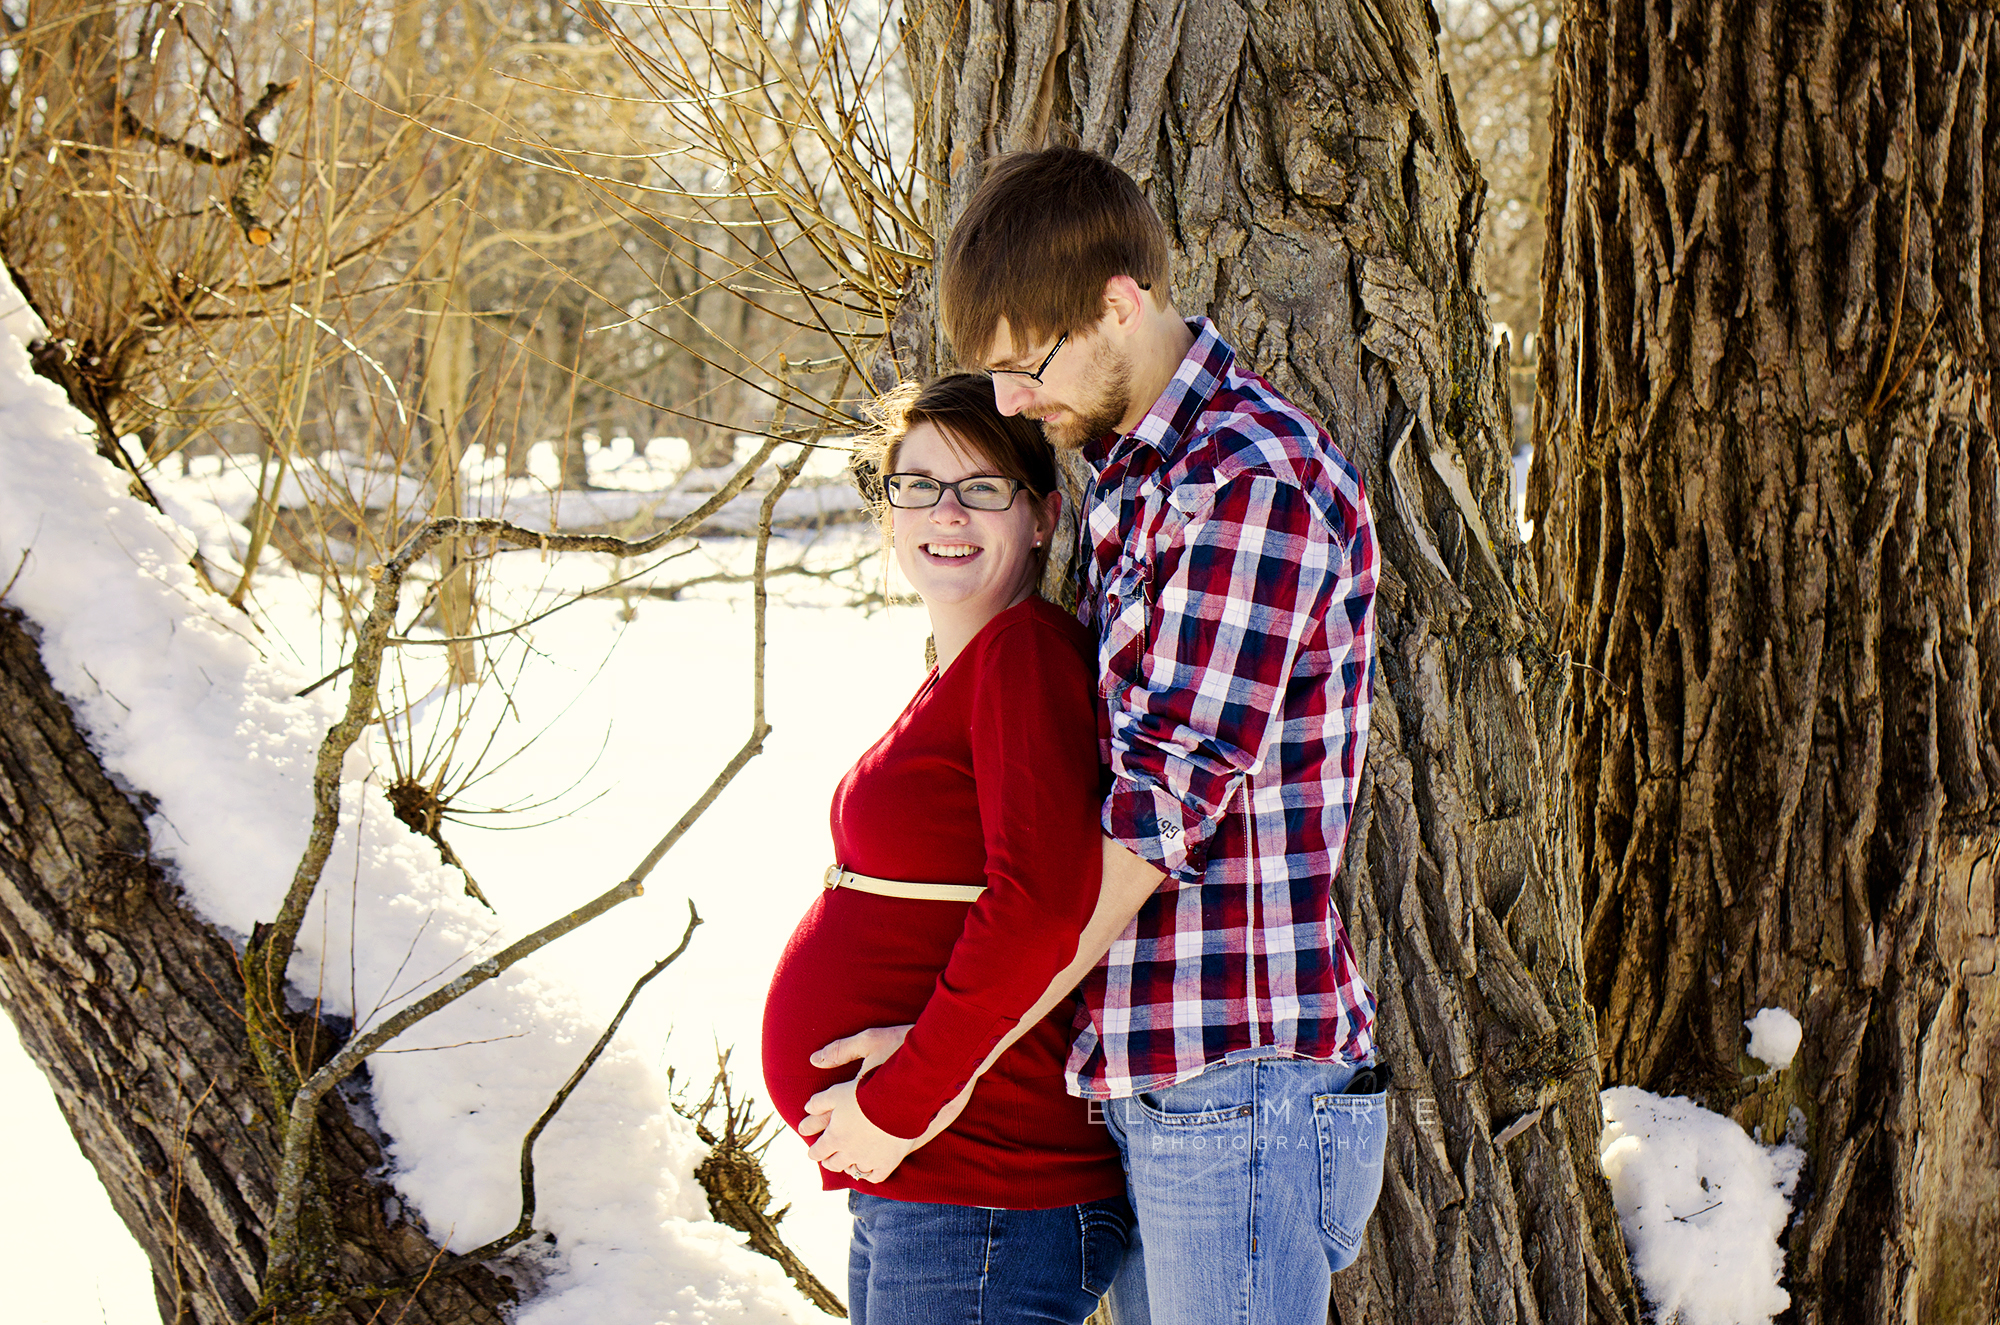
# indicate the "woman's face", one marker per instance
pixel 968 564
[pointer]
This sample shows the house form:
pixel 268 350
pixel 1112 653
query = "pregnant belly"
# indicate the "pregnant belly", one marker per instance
pixel 855 961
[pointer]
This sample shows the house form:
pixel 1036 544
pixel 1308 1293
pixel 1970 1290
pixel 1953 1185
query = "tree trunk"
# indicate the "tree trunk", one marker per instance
pixel 134 1009
pixel 1323 209
pixel 1767 497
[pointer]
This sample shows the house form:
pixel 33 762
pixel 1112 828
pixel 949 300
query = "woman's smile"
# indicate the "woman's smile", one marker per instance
pixel 968 563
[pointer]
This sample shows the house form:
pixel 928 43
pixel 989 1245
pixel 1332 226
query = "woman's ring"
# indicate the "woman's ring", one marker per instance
pixel 854 1171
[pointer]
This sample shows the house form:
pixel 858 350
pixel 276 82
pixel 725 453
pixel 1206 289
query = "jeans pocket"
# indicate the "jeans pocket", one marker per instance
pixel 1161 1112
pixel 1353 1143
pixel 1105 1228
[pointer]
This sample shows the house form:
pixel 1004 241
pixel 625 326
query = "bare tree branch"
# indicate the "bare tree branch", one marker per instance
pixel 525 1224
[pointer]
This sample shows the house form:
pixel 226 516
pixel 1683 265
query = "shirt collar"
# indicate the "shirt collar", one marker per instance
pixel 1167 423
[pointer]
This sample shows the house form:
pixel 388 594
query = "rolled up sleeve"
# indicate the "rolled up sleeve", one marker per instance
pixel 1228 603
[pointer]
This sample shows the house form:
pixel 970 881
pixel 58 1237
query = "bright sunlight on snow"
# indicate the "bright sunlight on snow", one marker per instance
pixel 1774 1038
pixel 1702 1206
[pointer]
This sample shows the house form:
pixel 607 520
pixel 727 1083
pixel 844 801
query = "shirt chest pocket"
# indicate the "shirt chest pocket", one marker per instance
pixel 1124 615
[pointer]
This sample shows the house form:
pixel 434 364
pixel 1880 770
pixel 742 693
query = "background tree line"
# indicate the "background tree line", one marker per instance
pixel 403 231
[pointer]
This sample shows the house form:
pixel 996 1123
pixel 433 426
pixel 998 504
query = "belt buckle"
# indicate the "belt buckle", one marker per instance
pixel 832 876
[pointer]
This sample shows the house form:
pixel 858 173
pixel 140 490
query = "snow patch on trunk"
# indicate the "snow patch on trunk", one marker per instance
pixel 1702 1205
pixel 1774 1038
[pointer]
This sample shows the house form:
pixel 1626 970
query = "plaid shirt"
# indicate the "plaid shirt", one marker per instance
pixel 1229 571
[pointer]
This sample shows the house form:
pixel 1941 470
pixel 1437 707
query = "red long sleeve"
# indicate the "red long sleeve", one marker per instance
pixel 989 776
pixel 1034 759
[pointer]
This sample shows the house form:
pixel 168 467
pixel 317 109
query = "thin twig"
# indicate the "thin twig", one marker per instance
pixel 1915 354
pixel 526 1222
pixel 1682 1219
pixel 671 592
pixel 543 616
pixel 19 566
pixel 524 1226
pixel 1902 287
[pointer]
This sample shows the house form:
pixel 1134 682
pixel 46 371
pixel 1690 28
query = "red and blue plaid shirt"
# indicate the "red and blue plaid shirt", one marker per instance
pixel 1229 570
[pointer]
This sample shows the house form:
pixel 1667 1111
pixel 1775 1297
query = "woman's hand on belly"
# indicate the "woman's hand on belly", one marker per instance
pixel 849 1143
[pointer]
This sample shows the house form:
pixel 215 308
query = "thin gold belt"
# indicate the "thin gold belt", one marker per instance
pixel 836 877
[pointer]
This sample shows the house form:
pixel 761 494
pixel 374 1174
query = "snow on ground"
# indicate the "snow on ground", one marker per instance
pixel 185 699
pixel 57 1218
pixel 1702 1205
pixel 1774 1037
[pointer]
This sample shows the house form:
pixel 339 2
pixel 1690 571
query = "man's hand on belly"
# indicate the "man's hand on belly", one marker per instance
pixel 872 1047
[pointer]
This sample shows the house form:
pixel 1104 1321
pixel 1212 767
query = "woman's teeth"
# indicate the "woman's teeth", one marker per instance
pixel 949 549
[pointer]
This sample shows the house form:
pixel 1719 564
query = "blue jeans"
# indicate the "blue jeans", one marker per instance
pixel 916 1263
pixel 1253 1184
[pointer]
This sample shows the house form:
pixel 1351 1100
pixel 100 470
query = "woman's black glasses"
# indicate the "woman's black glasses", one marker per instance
pixel 981 492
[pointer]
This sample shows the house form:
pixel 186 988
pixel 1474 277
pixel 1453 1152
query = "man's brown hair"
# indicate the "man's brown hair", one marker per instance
pixel 1036 245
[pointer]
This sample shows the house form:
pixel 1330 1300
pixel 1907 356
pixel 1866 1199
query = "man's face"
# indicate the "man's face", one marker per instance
pixel 1084 391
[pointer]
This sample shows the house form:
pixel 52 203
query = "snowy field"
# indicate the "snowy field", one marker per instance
pixel 620 711
pixel 618 715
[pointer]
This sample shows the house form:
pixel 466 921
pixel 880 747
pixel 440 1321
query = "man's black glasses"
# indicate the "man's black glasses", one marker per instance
pixel 981 492
pixel 1043 367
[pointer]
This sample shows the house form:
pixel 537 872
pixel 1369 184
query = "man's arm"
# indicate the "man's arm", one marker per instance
pixel 846 1137
pixel 1128 881
pixel 1196 701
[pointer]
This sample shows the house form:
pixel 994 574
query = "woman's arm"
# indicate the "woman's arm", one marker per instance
pixel 1034 756
pixel 846 1135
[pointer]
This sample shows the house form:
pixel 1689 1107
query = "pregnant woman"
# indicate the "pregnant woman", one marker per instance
pixel 967 857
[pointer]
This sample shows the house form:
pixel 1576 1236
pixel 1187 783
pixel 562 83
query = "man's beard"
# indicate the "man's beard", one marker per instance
pixel 1093 418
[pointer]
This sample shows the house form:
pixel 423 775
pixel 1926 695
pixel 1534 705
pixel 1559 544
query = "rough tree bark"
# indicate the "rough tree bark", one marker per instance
pixel 1324 211
pixel 1767 498
pixel 134 1009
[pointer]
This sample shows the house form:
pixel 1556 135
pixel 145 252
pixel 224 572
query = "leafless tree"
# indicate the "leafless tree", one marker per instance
pixel 230 235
